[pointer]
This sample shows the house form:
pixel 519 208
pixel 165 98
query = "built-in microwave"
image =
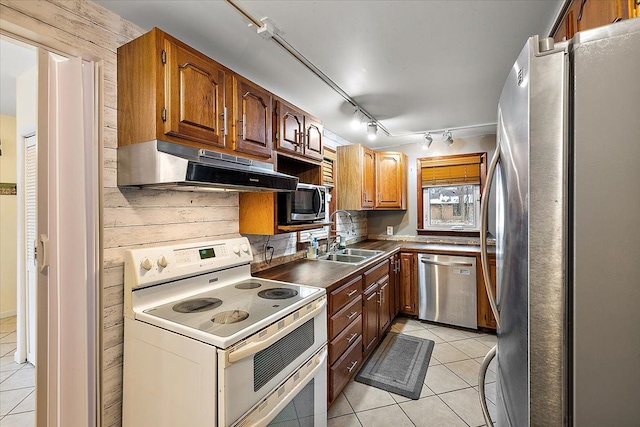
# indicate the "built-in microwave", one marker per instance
pixel 306 204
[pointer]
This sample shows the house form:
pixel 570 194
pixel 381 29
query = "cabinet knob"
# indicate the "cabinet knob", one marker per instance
pixel 352 315
pixel 353 365
pixel 353 292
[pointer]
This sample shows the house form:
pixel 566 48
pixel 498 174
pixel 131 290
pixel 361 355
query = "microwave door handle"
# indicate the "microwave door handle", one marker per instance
pixel 319 199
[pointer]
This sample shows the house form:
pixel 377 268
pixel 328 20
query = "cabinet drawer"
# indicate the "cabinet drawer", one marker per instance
pixel 345 293
pixel 345 339
pixel 342 318
pixel 373 275
pixel 345 368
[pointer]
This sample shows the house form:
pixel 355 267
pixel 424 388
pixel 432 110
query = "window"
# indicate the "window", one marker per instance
pixel 450 190
pixel 452 207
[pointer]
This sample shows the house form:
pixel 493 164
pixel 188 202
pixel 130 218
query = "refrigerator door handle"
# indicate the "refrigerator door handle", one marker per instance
pixel 481 376
pixel 484 209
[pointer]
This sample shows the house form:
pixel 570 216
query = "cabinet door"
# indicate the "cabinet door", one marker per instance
pixel 384 316
pixel 486 319
pixel 596 13
pixel 393 283
pixel 290 128
pixel 313 138
pixel 253 118
pixel 370 320
pixel 195 96
pixel 408 285
pixel 389 180
pixel 368 178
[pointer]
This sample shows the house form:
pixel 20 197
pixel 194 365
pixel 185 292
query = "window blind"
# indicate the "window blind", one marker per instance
pixel 456 170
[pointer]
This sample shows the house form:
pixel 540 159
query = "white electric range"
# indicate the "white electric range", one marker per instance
pixel 207 344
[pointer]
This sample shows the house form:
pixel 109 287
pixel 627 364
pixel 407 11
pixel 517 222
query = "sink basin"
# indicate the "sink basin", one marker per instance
pixel 347 259
pixel 368 253
pixel 350 256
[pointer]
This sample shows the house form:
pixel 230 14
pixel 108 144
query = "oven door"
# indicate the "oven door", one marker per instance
pixel 251 369
pixel 301 400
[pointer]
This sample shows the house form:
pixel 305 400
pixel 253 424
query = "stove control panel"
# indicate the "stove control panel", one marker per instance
pixel 150 266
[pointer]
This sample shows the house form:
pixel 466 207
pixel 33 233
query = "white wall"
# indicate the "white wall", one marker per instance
pixel 405 223
pixel 8 219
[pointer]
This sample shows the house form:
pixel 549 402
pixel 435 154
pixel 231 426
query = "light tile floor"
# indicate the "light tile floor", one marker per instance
pixel 449 396
pixel 17 381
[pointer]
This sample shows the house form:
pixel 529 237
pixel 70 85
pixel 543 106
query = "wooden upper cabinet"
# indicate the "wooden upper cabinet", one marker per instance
pixel 171 92
pixel 296 132
pixel 370 179
pixel 290 128
pixel 355 177
pixel 252 118
pixel 195 95
pixel 390 184
pixel 313 138
pixel 587 14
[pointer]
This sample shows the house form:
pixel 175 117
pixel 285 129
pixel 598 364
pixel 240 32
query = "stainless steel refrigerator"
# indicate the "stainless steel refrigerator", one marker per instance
pixel 567 179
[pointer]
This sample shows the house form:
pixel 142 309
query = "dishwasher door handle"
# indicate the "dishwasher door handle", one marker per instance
pixel 446 264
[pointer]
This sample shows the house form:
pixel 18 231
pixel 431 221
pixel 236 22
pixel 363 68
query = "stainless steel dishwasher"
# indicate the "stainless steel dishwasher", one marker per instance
pixel 447 289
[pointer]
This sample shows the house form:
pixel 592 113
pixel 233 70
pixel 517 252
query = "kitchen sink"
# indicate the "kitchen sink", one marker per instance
pixel 347 259
pixel 350 256
pixel 359 252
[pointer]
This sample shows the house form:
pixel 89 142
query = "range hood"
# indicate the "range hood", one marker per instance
pixel 161 164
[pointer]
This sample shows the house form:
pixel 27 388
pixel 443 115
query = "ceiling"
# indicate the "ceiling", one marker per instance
pixel 415 66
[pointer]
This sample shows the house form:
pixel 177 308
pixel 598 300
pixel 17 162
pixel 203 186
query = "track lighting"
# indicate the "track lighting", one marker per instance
pixel 428 139
pixel 448 139
pixel 372 130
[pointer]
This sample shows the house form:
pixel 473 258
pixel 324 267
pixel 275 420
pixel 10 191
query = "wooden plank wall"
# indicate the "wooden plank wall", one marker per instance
pixel 132 218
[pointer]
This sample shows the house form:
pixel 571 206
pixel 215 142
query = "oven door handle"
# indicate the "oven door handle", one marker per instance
pixel 256 346
pixel 319 361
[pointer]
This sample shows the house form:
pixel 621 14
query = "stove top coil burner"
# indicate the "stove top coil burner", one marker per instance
pixel 248 285
pixel 231 316
pixel 278 293
pixel 197 305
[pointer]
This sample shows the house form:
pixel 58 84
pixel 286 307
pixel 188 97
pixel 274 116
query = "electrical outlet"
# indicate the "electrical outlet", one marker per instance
pixel 389 230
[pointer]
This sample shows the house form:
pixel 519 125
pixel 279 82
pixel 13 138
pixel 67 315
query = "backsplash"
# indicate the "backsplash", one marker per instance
pixel 285 245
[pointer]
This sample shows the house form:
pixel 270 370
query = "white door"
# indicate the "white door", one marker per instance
pixel 31 177
pixel 67 277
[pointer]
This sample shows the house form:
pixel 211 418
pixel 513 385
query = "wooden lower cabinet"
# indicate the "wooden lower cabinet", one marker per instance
pixel 370 314
pixel 344 332
pixel 346 367
pixel 357 321
pixel 486 319
pixel 384 301
pixel 408 286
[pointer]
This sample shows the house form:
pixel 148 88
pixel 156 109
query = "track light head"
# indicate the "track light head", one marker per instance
pixel 428 139
pixel 372 131
pixel 448 138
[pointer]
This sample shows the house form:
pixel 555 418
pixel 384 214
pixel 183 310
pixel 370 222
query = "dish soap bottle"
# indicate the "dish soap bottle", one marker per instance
pixel 313 248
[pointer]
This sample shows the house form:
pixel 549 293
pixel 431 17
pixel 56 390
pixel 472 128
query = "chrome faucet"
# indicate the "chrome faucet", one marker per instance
pixel 351 231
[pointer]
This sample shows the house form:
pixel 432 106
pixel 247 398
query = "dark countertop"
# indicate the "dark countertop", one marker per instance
pixel 325 274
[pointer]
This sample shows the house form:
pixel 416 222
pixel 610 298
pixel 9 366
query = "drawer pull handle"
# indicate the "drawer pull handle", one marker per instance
pixel 353 365
pixel 352 337
pixel 352 315
pixel 353 292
